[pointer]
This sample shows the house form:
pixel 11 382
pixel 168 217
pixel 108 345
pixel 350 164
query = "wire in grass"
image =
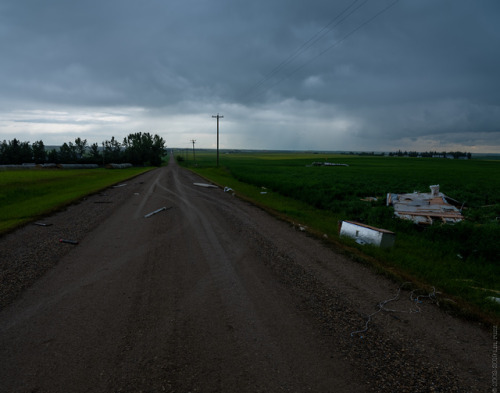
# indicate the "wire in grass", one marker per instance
pixel 416 299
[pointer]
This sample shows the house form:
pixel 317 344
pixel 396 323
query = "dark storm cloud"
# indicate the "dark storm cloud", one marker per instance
pixel 355 73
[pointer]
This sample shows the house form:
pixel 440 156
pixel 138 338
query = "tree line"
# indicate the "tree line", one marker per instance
pixel 137 149
pixel 400 153
pixel 432 154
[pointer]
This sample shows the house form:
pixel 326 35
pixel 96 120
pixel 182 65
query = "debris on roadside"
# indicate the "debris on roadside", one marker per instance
pixel 414 299
pixel 425 208
pixel 228 189
pixel 366 234
pixel 42 224
pixel 120 185
pixel 205 185
pixel 68 241
pixel 299 226
pixel 157 211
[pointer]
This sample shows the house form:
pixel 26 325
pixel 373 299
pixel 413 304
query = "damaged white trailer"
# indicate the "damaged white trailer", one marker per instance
pixel 425 208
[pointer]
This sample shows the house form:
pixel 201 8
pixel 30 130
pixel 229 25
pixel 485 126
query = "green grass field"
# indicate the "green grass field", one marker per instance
pixel 26 195
pixel 461 260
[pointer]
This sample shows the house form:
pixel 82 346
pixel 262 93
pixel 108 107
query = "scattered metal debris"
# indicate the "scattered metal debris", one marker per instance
pixel 424 208
pixel 205 185
pixel 68 241
pixel 120 185
pixel 157 211
pixel 43 224
pixel 227 189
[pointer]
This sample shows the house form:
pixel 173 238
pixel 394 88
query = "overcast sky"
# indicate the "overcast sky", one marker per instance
pixel 304 75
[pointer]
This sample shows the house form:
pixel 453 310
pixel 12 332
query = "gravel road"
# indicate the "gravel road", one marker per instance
pixel 212 295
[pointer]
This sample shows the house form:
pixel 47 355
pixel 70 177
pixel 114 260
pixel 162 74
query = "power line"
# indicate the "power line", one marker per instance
pixel 290 59
pixel 344 37
pixel 306 45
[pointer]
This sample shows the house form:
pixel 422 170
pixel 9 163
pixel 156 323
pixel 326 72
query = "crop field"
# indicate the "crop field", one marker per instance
pixel 28 194
pixel 462 260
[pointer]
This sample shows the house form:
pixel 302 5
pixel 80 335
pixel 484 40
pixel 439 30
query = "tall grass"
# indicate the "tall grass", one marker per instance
pixel 28 194
pixel 461 260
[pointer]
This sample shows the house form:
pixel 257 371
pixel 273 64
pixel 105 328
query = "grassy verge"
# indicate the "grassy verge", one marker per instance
pixel 460 261
pixel 29 194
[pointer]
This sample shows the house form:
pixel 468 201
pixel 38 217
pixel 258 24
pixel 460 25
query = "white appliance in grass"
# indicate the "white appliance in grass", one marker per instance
pixel 365 234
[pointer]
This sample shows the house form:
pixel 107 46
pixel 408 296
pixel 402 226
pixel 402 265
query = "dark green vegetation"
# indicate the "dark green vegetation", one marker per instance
pixel 462 261
pixel 137 149
pixel 29 194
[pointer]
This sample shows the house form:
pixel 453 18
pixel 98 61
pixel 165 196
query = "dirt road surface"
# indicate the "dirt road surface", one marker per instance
pixel 213 295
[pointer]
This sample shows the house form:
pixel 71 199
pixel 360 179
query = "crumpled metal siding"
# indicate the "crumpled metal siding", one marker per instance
pixel 424 208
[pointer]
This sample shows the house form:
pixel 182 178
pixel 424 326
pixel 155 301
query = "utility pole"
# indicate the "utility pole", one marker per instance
pixel 218 117
pixel 194 157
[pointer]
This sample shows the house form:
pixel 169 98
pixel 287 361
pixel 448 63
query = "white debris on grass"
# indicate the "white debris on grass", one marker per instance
pixel 205 185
